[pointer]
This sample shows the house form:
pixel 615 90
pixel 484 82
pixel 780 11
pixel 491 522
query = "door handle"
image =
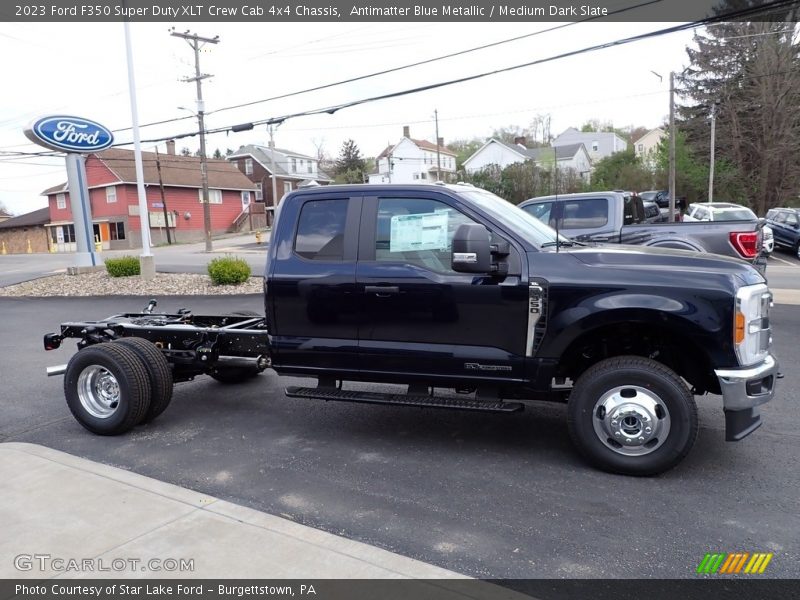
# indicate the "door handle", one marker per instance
pixel 382 291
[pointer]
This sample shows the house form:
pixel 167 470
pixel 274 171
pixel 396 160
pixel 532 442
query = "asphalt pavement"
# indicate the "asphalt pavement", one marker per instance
pixel 489 496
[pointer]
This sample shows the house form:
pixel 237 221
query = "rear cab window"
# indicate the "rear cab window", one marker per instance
pixel 321 229
pixel 585 213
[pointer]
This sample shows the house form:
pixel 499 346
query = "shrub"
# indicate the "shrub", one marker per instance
pixel 125 266
pixel 228 271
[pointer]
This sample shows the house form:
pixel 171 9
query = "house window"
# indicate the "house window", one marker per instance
pixel 248 166
pixel 641 147
pixel 111 194
pixel 214 196
pixel 287 187
pixel 245 200
pixel 310 167
pixel 259 192
pixel 117 230
pixel 61 201
pixel 595 146
pixel 294 165
pixel 69 234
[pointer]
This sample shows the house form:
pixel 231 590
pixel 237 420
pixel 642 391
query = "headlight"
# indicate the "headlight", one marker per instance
pixel 752 335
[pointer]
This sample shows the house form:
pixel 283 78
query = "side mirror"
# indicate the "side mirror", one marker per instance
pixel 471 249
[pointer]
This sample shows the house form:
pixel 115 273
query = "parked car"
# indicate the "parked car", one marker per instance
pixel 616 217
pixel 654 214
pixel 660 197
pixel 785 224
pixel 727 211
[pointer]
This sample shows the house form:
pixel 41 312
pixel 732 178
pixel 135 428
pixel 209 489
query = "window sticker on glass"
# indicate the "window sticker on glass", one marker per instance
pixel 418 232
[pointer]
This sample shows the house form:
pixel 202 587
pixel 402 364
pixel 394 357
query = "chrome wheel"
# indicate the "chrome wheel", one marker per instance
pixel 98 391
pixel 631 420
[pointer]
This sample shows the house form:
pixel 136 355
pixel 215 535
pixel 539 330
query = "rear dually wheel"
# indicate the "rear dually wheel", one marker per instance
pixel 107 388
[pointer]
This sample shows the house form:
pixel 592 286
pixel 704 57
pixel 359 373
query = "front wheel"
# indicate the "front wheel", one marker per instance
pixel 633 416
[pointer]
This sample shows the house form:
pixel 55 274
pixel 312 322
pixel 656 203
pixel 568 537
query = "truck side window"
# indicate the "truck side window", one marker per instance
pixel 542 211
pixel 585 213
pixel 417 231
pixel 320 230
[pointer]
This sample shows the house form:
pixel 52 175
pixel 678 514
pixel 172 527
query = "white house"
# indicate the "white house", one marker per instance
pixel 502 154
pixel 414 161
pixel 647 146
pixel 599 144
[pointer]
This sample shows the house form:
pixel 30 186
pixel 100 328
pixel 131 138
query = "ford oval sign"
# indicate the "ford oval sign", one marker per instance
pixel 69 134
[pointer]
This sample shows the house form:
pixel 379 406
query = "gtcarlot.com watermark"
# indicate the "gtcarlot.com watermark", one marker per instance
pixel 60 564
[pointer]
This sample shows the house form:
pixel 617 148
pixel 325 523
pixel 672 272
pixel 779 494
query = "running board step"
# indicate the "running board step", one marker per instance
pixel 402 399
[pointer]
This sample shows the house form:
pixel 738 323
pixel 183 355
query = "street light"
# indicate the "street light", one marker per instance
pixel 713 144
pixel 671 143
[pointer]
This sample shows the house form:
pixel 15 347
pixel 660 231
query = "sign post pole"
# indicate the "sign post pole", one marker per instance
pixel 81 211
pixel 76 137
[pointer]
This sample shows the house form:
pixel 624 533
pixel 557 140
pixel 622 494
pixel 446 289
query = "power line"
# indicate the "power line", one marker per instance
pixel 615 43
pixel 400 68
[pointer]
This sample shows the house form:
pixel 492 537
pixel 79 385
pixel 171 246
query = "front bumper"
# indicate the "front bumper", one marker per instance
pixel 743 390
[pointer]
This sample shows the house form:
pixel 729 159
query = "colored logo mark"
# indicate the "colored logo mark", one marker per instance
pixel 734 563
pixel 70 134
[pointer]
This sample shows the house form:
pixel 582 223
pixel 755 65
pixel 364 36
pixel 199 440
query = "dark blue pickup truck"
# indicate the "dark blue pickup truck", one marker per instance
pixel 472 304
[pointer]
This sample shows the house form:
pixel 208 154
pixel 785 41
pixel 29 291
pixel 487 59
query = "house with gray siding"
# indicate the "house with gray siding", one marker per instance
pixel 599 144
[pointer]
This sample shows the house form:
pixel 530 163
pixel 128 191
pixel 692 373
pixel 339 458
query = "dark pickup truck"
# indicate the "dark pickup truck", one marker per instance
pixel 472 304
pixel 614 217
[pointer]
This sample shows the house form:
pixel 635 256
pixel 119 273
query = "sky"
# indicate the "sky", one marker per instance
pixel 80 69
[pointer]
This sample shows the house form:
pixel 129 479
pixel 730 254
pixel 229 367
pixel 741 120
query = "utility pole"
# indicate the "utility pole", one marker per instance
pixel 272 168
pixel 163 197
pixel 438 155
pixel 197 42
pixel 672 147
pixel 711 165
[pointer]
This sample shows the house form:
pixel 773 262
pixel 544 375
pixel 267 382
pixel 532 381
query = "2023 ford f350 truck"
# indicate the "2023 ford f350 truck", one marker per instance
pixel 474 305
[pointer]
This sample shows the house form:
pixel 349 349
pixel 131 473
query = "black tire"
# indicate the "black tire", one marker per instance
pixel 125 395
pixel 649 399
pixel 236 375
pixel 797 250
pixel 158 372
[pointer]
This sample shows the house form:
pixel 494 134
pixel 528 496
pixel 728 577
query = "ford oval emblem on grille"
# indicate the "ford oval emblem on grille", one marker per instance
pixel 69 134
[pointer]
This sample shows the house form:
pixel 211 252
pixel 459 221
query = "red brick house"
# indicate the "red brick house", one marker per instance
pixel 292 170
pixel 113 195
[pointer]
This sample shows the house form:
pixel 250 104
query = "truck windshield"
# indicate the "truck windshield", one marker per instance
pixel 514 218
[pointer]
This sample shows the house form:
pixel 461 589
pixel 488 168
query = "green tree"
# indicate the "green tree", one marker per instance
pixel 350 165
pixel 691 176
pixel 621 171
pixel 748 71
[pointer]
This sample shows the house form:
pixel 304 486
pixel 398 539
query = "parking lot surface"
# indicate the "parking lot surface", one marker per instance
pixel 485 495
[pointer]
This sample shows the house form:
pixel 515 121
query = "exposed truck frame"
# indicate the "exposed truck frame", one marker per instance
pixel 192 344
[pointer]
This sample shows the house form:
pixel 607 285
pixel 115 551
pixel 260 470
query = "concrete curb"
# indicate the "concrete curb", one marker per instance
pixel 72 508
